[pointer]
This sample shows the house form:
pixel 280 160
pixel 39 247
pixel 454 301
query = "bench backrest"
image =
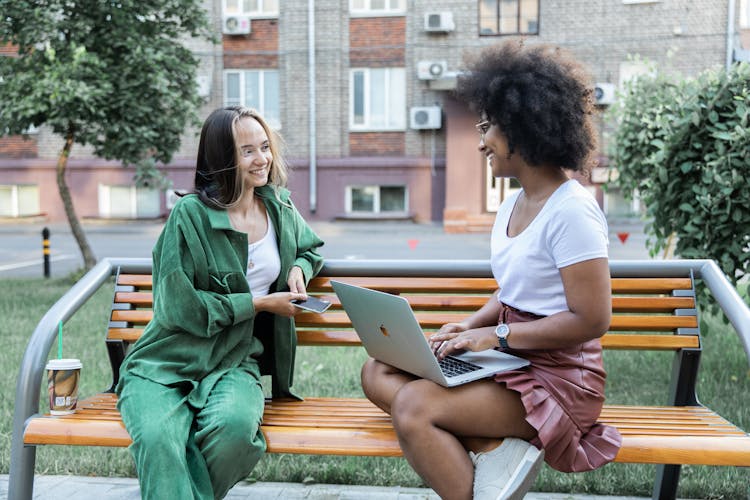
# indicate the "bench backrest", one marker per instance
pixel 648 313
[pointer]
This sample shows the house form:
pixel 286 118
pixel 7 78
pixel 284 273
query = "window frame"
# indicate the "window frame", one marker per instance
pixel 368 11
pixel 393 123
pixel 16 198
pixel 376 200
pixel 105 201
pixel 273 121
pixel 498 18
pixel 253 14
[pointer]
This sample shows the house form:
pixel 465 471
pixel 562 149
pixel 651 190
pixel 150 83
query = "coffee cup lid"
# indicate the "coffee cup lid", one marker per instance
pixel 64 364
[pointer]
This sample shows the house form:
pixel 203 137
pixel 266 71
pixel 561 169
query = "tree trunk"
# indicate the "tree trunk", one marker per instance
pixel 89 260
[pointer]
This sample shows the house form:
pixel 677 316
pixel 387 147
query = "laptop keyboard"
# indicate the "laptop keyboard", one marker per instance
pixel 452 367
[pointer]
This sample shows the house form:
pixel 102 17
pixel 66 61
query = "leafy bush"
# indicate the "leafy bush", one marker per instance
pixel 684 146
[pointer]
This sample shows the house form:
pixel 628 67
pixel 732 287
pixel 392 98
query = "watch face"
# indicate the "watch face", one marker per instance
pixel 502 332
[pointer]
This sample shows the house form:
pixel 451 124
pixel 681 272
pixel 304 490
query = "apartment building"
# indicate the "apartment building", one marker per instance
pixel 361 92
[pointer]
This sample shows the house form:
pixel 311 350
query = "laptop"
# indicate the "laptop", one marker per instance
pixel 391 334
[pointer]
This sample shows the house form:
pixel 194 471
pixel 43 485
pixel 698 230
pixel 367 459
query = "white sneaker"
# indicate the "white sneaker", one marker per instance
pixel 507 472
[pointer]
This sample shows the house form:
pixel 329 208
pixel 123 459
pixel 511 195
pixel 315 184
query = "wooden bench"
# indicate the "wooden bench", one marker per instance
pixel 653 305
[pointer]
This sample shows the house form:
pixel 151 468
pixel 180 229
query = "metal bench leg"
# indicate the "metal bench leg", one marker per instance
pixel 682 393
pixel 21 478
pixel 665 486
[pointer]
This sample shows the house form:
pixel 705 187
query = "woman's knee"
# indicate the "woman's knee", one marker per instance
pixel 236 427
pixel 378 381
pixel 411 407
pixel 372 372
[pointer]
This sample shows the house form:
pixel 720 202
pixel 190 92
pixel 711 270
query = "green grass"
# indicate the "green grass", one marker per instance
pixel 636 378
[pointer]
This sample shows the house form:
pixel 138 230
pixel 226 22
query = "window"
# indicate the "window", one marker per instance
pixel 378 99
pixel 744 14
pixel 252 8
pixel 128 202
pixel 508 17
pixel 376 199
pixel 377 7
pixel 257 89
pixel 20 200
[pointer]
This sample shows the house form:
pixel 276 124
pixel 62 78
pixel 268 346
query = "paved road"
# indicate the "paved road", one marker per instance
pixel 21 244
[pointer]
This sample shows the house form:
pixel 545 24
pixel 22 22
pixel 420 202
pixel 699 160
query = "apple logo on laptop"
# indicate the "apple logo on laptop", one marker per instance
pixel 384 330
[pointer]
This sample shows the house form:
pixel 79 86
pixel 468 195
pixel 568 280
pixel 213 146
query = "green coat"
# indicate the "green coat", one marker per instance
pixel 204 322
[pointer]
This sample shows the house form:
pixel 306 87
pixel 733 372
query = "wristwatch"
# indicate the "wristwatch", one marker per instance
pixel 502 331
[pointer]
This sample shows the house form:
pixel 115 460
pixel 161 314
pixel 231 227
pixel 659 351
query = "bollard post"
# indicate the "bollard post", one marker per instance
pixel 45 251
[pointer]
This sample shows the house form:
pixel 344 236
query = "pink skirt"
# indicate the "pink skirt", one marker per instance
pixel 563 393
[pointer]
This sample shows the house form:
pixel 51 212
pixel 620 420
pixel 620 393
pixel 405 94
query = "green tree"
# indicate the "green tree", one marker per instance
pixel 112 74
pixel 685 147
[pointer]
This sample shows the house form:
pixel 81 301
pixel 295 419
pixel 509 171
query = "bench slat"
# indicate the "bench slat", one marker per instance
pixel 652 323
pixel 650 285
pixel 344 338
pixel 651 304
pixel 434 320
pixel 136 280
pixel 139 299
pixel 400 284
pixel 467 302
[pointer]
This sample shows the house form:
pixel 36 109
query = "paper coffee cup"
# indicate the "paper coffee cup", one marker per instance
pixel 62 384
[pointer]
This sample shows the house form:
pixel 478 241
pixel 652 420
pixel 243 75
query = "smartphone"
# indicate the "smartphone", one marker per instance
pixel 313 304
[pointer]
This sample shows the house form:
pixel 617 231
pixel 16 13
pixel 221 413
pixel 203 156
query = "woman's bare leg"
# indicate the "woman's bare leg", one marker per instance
pixel 436 425
pixel 431 422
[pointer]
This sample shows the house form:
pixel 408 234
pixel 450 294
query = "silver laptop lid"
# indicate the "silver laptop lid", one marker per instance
pixel 389 331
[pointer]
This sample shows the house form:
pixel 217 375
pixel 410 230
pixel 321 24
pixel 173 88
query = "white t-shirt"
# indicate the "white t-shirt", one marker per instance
pixel 263 262
pixel 569 229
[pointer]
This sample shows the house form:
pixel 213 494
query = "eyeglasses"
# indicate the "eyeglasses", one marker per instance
pixel 482 127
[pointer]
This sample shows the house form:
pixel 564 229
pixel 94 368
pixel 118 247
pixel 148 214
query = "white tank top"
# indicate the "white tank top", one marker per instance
pixel 263 262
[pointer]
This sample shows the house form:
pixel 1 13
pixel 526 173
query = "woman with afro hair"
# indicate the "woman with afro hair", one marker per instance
pixel 549 256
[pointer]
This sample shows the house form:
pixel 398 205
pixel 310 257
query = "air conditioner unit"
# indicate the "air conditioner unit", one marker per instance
pixel 425 117
pixel 431 70
pixel 439 21
pixel 604 93
pixel 235 25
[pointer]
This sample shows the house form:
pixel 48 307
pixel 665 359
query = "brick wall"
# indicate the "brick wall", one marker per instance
pixel 257 50
pixel 376 144
pixel 16 146
pixel 377 42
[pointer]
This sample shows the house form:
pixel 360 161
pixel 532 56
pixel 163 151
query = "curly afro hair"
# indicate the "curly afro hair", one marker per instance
pixel 539 97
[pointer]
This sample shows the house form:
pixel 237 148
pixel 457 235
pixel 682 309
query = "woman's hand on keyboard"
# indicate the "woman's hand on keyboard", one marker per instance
pixel 455 337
